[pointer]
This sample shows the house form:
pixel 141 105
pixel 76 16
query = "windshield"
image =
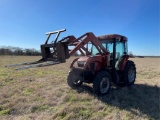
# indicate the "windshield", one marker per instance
pixel 107 44
pixel 121 48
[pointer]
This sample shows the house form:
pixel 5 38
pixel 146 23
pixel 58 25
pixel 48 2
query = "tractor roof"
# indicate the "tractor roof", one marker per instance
pixel 112 36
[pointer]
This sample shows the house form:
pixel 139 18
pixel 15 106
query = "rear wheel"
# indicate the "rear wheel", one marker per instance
pixel 73 80
pixel 102 83
pixel 129 75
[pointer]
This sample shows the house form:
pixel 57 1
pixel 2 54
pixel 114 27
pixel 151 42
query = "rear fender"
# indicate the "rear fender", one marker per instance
pixel 123 62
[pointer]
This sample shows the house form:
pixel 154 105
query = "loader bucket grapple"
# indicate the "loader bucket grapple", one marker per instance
pixel 52 53
pixel 56 50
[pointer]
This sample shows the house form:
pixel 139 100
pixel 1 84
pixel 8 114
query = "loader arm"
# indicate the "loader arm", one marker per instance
pixel 85 39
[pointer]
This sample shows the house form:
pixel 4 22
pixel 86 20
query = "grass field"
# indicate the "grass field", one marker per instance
pixel 42 93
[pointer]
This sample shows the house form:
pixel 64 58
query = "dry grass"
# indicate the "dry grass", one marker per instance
pixel 42 93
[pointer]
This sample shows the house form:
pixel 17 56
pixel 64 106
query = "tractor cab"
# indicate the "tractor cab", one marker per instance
pixel 115 44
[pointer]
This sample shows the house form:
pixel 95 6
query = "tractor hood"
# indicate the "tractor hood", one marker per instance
pixel 81 61
pixel 83 58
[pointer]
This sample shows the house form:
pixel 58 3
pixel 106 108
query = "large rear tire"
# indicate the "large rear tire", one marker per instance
pixel 129 74
pixel 102 83
pixel 73 80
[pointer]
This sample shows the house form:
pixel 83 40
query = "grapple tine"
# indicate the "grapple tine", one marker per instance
pixel 38 65
pixel 25 63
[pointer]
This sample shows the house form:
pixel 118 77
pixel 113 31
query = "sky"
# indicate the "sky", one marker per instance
pixel 23 23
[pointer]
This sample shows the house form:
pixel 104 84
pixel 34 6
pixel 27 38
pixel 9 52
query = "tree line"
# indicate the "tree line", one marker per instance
pixel 19 51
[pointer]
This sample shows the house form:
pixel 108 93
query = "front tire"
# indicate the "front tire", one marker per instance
pixel 73 80
pixel 102 83
pixel 129 74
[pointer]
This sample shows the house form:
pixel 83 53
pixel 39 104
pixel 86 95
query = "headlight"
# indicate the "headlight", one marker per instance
pixel 81 63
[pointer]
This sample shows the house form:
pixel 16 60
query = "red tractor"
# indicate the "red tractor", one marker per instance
pixel 107 62
pixel 103 60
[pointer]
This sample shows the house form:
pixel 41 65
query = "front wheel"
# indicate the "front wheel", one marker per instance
pixel 73 80
pixel 102 83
